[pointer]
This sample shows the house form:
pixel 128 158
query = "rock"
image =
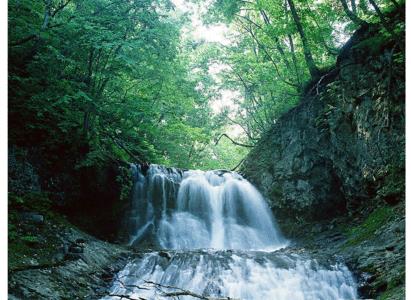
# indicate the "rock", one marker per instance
pixel 80 241
pixel 364 280
pixel 76 249
pixel 317 228
pixel 33 217
pixel 73 256
pixel 164 254
pixel 333 152
pixel 390 247
pixel 340 153
pixel 58 257
pixel 400 227
pixel 64 248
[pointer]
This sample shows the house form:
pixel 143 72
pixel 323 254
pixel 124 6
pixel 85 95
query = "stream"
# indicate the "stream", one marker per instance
pixel 215 238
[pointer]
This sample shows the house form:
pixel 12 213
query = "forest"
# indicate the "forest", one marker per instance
pixel 176 134
pixel 98 80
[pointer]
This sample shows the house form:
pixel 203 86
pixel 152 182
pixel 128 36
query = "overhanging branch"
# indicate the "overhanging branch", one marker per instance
pixel 234 142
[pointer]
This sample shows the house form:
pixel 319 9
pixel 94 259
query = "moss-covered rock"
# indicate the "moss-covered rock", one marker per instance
pixel 366 230
pixel 42 266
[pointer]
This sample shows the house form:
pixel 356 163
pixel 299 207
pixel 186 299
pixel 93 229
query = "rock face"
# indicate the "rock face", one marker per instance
pixel 343 145
pixel 333 168
pixel 94 197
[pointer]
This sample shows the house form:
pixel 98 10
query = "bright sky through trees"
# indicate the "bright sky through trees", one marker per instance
pixel 213 33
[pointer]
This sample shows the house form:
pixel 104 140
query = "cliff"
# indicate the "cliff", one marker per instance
pixel 342 147
pixel 333 167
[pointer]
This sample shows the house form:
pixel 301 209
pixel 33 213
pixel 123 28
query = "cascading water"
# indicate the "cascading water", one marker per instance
pixel 218 210
pixel 154 193
pixel 218 239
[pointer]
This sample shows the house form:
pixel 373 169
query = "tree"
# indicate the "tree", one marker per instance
pixel 352 14
pixel 307 52
pixel 105 79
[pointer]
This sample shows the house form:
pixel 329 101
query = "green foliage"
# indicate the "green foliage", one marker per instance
pixel 395 287
pixel 15 200
pixel 35 201
pixel 367 229
pixel 105 79
pixel 30 239
pixel 268 56
pixel 126 182
pixel 102 79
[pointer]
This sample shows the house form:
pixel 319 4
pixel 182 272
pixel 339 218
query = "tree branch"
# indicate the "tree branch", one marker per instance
pixel 239 164
pixel 234 142
pixel 249 30
pixel 182 292
pixel 24 40
pixel 312 68
pixel 121 296
pixel 60 7
pixel 351 14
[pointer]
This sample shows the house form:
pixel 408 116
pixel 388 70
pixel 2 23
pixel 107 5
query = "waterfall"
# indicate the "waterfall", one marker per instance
pixel 216 236
pixel 196 209
pixel 154 191
pixel 218 210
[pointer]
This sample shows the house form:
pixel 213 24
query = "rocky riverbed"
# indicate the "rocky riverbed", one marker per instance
pixel 51 259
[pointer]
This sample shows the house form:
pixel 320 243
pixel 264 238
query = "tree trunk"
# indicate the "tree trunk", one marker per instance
pixel 307 52
pixel 354 7
pixel 395 4
pixel 378 11
pixel 276 40
pixel 382 18
pixel 295 62
pixel 47 12
pixel 353 17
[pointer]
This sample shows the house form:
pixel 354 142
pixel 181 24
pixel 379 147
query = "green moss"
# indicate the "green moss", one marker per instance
pixel 26 241
pixel 30 239
pixel 397 293
pixel 397 281
pixel 367 229
pixel 35 201
pixel 25 245
pixel 393 188
pixel 276 192
pixel 373 45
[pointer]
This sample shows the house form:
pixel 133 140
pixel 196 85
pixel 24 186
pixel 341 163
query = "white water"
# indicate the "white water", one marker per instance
pixel 222 241
pixel 219 211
